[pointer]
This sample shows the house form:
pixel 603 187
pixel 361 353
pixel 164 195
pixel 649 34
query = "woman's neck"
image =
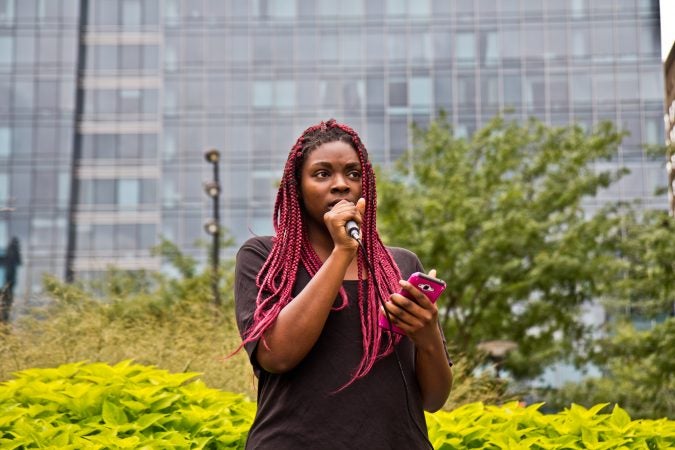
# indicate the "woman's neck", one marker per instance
pixel 321 241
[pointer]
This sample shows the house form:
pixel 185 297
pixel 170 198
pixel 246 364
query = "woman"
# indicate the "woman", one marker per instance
pixel 307 310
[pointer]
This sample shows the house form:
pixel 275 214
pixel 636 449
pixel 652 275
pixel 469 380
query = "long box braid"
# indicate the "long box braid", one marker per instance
pixel 291 247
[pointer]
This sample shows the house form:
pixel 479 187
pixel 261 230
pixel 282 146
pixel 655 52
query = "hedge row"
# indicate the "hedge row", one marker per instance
pixel 96 406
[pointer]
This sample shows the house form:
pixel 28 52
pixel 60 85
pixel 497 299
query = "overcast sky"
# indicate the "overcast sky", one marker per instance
pixel 667 26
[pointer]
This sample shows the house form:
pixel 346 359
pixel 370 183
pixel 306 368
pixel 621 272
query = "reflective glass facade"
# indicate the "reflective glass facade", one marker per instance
pixel 38 66
pixel 160 82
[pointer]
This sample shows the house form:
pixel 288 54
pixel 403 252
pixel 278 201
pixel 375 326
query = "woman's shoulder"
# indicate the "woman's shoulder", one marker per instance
pixel 258 244
pixel 405 259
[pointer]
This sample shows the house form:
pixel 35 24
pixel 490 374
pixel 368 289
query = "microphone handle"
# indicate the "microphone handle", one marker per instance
pixel 353 229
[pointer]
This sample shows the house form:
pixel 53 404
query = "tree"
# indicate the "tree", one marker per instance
pixel 638 373
pixel 500 217
pixel 636 353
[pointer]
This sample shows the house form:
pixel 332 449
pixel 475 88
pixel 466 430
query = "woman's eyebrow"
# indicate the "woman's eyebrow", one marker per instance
pixel 321 164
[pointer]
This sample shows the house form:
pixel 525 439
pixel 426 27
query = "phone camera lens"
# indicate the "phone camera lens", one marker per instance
pixel 426 287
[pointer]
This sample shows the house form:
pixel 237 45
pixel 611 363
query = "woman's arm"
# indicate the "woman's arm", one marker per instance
pixel 300 322
pixel 434 374
pixel 419 319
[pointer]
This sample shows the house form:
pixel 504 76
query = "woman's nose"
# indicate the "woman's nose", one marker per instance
pixel 340 184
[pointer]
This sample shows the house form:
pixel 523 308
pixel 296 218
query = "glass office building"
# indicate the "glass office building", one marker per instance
pixel 38 70
pixel 109 105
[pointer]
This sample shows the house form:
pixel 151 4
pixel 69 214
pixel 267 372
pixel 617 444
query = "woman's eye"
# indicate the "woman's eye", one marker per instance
pixel 321 174
pixel 355 174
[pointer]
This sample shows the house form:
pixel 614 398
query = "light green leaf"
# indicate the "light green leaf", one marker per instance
pixel 113 415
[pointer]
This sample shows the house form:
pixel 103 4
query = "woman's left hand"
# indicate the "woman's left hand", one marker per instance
pixel 418 317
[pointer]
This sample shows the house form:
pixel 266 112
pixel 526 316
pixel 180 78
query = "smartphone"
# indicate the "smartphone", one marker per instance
pixel 430 286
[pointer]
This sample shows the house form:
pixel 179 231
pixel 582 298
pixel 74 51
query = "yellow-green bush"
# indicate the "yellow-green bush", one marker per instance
pixel 96 406
pixel 513 426
pixel 92 406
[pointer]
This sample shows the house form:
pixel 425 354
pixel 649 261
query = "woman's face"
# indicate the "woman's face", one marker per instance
pixel 330 173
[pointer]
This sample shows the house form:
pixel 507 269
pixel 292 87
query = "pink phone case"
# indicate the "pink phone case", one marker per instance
pixel 430 286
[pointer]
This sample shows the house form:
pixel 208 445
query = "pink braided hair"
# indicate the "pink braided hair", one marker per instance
pixel 291 247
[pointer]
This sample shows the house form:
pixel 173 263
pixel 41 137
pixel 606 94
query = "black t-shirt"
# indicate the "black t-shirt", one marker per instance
pixel 301 409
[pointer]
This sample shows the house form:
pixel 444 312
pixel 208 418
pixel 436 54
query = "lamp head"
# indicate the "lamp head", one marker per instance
pixel 212 189
pixel 211 227
pixel 212 156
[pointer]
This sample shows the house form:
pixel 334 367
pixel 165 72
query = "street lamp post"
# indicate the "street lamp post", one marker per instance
pixel 212 226
pixel 497 351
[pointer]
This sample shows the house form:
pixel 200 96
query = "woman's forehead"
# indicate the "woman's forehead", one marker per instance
pixel 336 151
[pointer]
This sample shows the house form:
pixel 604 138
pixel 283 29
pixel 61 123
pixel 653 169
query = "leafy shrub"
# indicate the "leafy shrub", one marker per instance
pixel 513 426
pixel 93 406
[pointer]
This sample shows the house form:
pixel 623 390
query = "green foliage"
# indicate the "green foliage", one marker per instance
pixel 644 281
pixel 637 351
pixel 127 405
pixel 512 426
pixel 92 406
pixel 639 372
pixel 470 384
pixel 500 217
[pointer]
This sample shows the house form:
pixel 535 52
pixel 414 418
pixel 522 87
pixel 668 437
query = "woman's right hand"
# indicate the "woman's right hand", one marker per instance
pixel 336 220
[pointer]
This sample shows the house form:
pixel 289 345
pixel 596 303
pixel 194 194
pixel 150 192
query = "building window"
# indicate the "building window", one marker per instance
pixel 443 91
pixel 580 42
pixel 350 47
pixel 421 93
pixel 604 87
pixel 420 47
pixel 489 44
pixel 6 12
pixel 396 7
pixel 105 12
pixel 489 90
pixel 127 193
pixel 104 192
pixel 282 9
pixel 398 93
pixel 512 91
pixel 285 94
pixel 419 8
pixel 535 92
pixel 510 45
pixel 5 141
pixel 6 51
pixel 353 8
pixel 465 48
pixel 262 94
pixel 147 236
pixel 466 90
pixel 352 95
pixel 580 84
pixel 131 13
pixel 103 237
pixel 4 190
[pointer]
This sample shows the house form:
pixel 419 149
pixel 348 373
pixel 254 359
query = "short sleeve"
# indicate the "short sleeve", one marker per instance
pixel 250 259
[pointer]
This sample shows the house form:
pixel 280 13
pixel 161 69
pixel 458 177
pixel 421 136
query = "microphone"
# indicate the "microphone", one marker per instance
pixel 353 229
